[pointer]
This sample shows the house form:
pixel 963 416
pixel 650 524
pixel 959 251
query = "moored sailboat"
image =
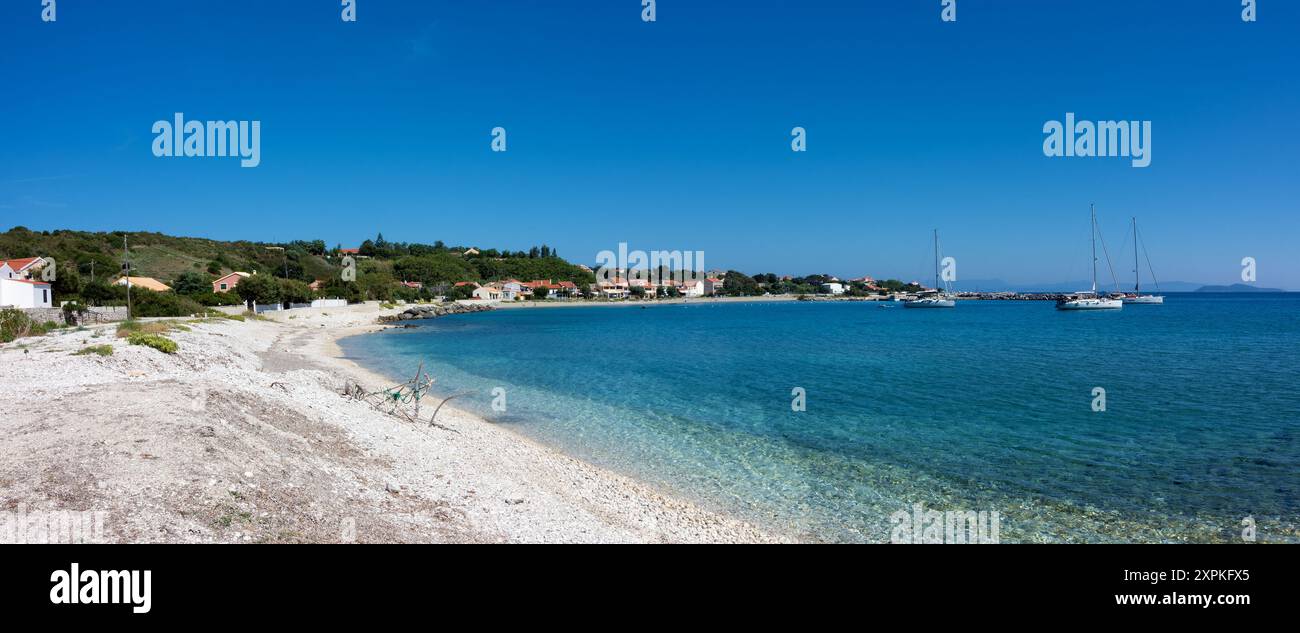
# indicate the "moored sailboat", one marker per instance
pixel 1136 297
pixel 940 298
pixel 1090 300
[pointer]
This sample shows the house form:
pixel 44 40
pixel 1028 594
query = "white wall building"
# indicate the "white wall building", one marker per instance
pixel 691 289
pixel 834 288
pixel 24 293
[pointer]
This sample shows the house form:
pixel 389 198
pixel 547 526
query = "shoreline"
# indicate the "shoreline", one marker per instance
pixel 244 435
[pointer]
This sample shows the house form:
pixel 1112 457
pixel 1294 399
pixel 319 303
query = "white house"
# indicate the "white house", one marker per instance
pixel 24 293
pixel 834 288
pixel 487 293
pixel 692 288
pixel 21 268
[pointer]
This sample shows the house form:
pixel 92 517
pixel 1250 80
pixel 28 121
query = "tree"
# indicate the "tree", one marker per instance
pixel 191 283
pixel 739 284
pixel 294 291
pixel 259 288
pixel 67 283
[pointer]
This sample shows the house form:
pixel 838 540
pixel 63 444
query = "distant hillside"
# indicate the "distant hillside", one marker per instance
pixel 162 256
pixel 380 264
pixel 1237 288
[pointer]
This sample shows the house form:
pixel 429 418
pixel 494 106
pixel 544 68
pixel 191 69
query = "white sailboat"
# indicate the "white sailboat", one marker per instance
pixel 1090 300
pixel 940 298
pixel 1136 297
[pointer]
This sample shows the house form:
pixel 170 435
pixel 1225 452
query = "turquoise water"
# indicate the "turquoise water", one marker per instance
pixel 988 406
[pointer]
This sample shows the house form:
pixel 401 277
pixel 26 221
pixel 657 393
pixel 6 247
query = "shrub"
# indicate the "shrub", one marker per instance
pixel 102 350
pixel 14 324
pixel 145 303
pixel 156 341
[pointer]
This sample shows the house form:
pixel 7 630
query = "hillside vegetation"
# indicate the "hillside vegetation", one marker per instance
pixel 190 264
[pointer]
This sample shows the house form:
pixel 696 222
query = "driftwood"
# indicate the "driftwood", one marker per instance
pixel 402 400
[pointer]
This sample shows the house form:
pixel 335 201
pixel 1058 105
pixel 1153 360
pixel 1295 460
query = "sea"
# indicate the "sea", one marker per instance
pixel 839 421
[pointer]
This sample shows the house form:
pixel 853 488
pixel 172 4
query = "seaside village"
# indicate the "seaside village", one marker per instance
pixel 31 285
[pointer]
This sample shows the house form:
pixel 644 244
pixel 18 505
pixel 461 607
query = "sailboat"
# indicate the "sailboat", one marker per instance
pixel 1136 297
pixel 939 299
pixel 1090 300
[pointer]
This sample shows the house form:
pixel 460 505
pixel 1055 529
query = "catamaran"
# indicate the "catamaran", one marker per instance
pixel 1090 300
pixel 940 298
pixel 1136 297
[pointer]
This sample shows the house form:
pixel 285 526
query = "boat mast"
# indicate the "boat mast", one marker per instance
pixel 1137 277
pixel 936 260
pixel 1093 235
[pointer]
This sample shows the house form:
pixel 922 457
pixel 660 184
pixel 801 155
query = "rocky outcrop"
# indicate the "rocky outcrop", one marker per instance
pixel 432 311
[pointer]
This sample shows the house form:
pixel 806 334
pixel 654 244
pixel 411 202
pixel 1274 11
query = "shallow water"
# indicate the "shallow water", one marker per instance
pixel 985 407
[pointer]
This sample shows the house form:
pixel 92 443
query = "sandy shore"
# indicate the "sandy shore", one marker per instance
pixel 244 435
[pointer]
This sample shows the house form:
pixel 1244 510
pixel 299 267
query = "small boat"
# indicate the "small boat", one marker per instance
pixel 939 298
pixel 1136 297
pixel 1090 300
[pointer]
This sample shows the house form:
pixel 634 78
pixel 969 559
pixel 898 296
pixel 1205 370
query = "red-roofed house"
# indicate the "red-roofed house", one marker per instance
pixel 21 268
pixel 228 283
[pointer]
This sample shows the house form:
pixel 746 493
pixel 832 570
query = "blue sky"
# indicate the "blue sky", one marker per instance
pixel 673 135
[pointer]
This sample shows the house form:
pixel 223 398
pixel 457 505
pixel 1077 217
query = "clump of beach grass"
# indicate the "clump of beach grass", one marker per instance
pixel 101 350
pixel 156 341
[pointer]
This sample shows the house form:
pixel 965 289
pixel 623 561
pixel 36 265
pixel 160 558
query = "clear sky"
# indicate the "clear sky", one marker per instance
pixel 673 135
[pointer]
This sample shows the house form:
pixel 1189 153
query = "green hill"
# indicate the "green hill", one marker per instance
pixel 381 264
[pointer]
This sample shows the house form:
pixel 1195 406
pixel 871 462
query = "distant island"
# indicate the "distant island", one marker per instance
pixel 1237 288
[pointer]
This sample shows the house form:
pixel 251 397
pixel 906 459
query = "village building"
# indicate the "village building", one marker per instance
pixel 148 283
pixel 21 268
pixel 24 293
pixel 228 282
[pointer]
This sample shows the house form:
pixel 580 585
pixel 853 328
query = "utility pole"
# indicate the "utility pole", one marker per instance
pixel 126 272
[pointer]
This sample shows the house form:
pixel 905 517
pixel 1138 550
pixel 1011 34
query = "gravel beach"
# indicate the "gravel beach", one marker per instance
pixel 244 435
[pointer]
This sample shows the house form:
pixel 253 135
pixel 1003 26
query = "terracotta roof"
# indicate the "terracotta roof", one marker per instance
pixel 241 275
pixel 19 264
pixel 148 283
